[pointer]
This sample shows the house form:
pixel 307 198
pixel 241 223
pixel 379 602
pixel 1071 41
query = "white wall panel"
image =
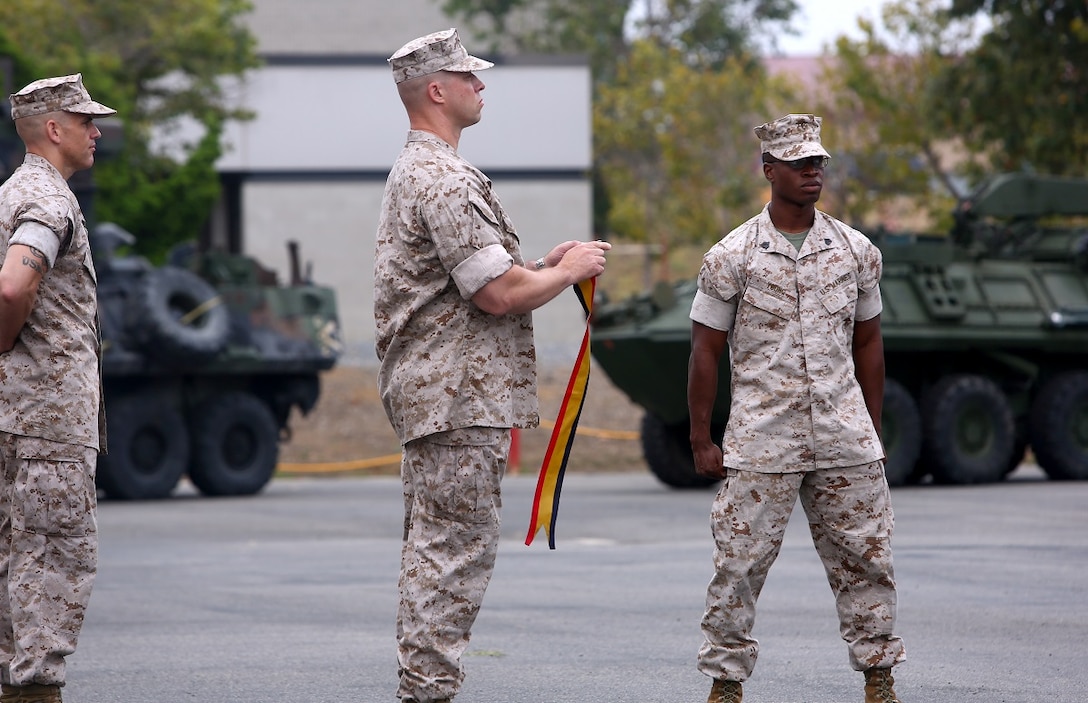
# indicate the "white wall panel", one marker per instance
pixel 349 118
pixel 334 223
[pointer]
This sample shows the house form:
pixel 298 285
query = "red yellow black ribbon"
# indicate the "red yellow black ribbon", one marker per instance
pixel 550 481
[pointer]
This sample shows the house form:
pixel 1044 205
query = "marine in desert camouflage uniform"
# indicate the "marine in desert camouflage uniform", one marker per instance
pixel 794 295
pixel 452 304
pixel 50 392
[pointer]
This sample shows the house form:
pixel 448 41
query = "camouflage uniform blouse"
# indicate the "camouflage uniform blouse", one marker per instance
pixel 445 363
pixel 790 314
pixel 50 382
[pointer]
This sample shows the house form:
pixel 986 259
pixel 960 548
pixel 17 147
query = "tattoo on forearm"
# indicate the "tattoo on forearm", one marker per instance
pixel 37 262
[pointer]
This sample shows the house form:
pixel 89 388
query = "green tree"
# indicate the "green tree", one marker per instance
pixel 890 139
pixel 1021 96
pixel 156 62
pixel 704 32
pixel 674 145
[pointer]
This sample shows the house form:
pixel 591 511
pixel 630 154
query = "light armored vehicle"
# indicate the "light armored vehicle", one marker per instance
pixel 985 339
pixel 204 360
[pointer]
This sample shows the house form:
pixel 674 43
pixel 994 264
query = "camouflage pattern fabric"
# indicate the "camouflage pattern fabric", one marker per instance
pixel 791 137
pixel 796 404
pixel 47 516
pixel 438 51
pixel 452 502
pixel 50 382
pixel 445 363
pixel 850 517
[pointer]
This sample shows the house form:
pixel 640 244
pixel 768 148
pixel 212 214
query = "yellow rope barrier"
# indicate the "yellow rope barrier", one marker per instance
pixel 330 467
pixel 594 432
pixel 337 466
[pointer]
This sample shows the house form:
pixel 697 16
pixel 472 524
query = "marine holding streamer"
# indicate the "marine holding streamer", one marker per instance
pixel 452 304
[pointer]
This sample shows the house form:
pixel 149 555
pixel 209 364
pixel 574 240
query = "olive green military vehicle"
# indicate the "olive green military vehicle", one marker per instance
pixel 985 339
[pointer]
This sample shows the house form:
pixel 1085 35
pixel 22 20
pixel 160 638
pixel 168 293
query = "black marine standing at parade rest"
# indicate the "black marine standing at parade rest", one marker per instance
pixel 794 295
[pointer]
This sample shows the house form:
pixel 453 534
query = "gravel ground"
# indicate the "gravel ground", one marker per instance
pixel 348 431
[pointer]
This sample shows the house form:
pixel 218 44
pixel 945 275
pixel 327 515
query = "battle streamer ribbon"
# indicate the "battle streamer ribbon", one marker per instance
pixel 550 481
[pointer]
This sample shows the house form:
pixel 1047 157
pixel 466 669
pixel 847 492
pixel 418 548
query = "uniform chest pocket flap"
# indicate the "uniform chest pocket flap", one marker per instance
pixel 841 300
pixel 775 303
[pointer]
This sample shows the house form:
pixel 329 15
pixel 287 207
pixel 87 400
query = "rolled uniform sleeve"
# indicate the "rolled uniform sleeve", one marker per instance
pixel 716 314
pixel 715 303
pixel 481 268
pixel 466 232
pixel 38 236
pixel 870 269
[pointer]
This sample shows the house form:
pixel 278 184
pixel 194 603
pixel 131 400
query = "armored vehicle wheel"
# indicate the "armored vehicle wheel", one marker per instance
pixel 968 430
pixel 148 448
pixel 1058 425
pixel 177 316
pixel 668 453
pixel 901 429
pixel 235 445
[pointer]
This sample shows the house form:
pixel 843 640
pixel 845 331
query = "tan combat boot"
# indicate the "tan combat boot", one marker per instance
pixel 33 693
pixel 725 692
pixel 878 686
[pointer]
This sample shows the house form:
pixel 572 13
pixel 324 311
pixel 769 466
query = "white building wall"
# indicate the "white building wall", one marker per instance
pixel 335 224
pixel 343 26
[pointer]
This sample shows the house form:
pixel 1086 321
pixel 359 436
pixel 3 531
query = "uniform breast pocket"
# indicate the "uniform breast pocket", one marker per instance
pixel 841 302
pixel 763 316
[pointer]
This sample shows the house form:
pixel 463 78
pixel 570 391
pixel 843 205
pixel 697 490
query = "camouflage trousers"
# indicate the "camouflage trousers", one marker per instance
pixel 49 538
pixel 850 518
pixel 452 501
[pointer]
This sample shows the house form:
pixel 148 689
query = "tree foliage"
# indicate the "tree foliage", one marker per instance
pixel 704 33
pixel 675 146
pixel 890 139
pixel 939 95
pixel 1021 96
pixel 154 61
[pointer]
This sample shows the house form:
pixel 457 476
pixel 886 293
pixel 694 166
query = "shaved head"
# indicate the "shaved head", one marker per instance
pixel 413 92
pixel 32 129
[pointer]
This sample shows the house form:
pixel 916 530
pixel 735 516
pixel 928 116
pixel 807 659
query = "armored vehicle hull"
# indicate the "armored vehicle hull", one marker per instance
pixel 204 361
pixel 985 339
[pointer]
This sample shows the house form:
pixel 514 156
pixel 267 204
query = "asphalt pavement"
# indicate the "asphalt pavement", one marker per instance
pixel 290 596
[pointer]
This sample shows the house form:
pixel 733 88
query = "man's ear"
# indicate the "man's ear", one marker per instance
pixel 52 130
pixel 435 92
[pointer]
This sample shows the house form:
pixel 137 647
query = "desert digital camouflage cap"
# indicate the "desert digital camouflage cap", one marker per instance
pixel 440 51
pixel 51 94
pixel 791 137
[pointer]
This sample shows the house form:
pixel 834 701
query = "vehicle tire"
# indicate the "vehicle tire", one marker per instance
pixel 968 430
pixel 148 448
pixel 235 445
pixel 668 453
pixel 1058 426
pixel 177 317
pixel 901 430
